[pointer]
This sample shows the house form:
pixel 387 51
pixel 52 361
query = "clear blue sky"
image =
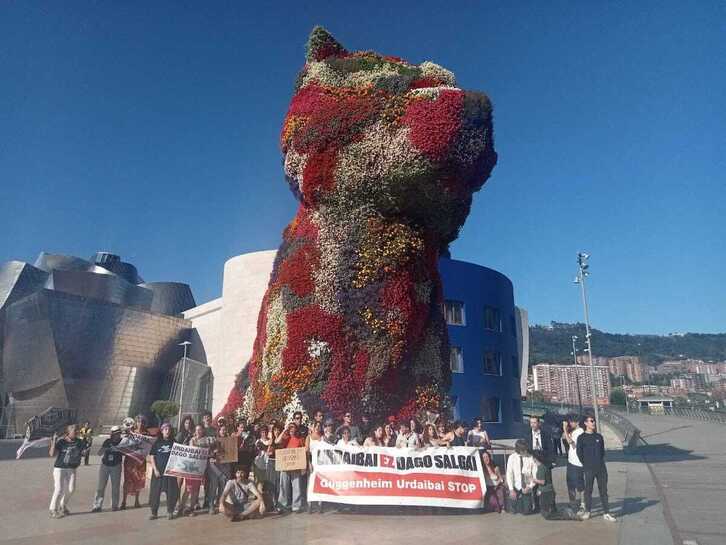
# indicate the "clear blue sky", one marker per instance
pixel 150 129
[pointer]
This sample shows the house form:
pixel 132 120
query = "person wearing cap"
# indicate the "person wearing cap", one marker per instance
pixel 160 453
pixel 110 468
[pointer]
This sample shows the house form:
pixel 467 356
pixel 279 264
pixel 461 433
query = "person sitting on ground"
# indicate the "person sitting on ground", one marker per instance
pixel 494 498
pixel 110 468
pixel 240 498
pixel 520 478
pixel 477 436
pixel 375 437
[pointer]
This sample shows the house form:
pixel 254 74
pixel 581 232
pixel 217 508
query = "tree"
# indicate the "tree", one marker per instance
pixel 164 409
pixel 618 397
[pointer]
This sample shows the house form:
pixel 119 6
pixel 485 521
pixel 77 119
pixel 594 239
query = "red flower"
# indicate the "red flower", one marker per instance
pixel 435 124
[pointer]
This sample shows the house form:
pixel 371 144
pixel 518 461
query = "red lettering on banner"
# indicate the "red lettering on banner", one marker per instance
pixel 387 461
pixel 419 485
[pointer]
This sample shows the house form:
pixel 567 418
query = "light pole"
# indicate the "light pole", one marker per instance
pixel 582 273
pixel 577 376
pixel 185 344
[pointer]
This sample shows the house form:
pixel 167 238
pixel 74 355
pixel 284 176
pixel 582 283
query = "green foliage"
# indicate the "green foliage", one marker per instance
pixel 164 409
pixel 553 344
pixel 618 397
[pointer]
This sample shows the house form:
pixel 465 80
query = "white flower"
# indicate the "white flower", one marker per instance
pixel 317 349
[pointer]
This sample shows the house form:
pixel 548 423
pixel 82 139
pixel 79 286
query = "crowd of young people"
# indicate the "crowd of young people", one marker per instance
pixel 252 486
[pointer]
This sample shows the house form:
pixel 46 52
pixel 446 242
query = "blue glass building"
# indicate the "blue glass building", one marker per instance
pixel 484 336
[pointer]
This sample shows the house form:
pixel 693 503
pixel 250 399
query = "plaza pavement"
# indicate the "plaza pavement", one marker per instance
pixel 686 480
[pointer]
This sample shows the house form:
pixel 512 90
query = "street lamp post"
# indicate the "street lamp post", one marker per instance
pixel 577 377
pixel 582 273
pixel 185 344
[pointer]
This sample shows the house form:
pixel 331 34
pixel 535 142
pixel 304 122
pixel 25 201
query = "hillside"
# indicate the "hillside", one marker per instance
pixel 553 344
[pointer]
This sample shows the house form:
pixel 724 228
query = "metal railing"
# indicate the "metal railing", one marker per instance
pixel 684 412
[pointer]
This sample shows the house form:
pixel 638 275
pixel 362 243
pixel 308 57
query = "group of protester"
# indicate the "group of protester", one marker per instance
pixel 252 486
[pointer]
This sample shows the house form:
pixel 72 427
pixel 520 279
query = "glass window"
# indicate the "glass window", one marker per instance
pixel 515 366
pixel 454 313
pixel 516 410
pixel 456 359
pixel 492 363
pixel 490 409
pixel 492 321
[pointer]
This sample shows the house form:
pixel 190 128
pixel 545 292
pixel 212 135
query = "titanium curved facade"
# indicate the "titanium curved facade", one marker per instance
pixel 87 335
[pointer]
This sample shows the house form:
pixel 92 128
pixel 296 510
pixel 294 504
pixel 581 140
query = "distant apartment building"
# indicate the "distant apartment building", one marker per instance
pixel 620 366
pixel 689 382
pixel 570 383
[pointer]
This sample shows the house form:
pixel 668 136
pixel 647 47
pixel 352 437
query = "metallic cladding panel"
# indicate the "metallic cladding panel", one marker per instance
pixel 106 287
pixel 18 279
pixel 112 360
pixel 170 297
pixel 114 264
pixel 51 262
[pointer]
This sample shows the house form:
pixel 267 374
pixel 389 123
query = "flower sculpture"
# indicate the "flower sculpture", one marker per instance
pixel 384 157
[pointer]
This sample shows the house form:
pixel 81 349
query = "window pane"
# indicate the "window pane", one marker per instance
pixel 456 360
pixel 490 409
pixel 515 366
pixel 491 319
pixel 454 312
pixel 492 363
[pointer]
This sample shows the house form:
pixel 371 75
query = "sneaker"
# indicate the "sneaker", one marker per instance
pixel 59 514
pixel 53 514
pixel 66 511
pixel 608 517
pixel 585 515
pixel 114 509
pixel 152 516
pixel 171 516
pixel 96 510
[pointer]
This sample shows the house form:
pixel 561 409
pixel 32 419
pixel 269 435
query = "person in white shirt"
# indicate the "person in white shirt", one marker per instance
pixel 520 478
pixel 477 436
pixel 406 437
pixel 575 476
pixel 346 438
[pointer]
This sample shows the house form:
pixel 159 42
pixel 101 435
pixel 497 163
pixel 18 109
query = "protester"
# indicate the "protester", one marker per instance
pixel 265 472
pixel 546 491
pixel 375 437
pixel 160 452
pixel 110 468
pixel 355 433
pixel 191 487
pixel 245 445
pixel 575 477
pixel 413 426
pixel 218 472
pixel 591 452
pixel 520 478
pixel 429 437
pixel 389 435
pixel 406 437
pixel 290 481
pixel 134 471
pixel 86 434
pixel 494 498
pixel 209 429
pixel 458 439
pixel 186 432
pixel 236 501
pixel 346 437
pixel 366 426
pixel 68 451
pixel 477 436
pixel 538 438
pixel 329 435
pixel 444 437
pixel 302 429
pixel 319 416
pixel 316 434
pixel 557 432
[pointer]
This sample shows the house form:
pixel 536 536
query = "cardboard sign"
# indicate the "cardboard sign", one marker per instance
pixel 226 450
pixel 290 459
pixel 136 446
pixel 187 462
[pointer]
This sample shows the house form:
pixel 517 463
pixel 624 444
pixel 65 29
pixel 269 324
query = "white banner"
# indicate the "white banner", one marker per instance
pixel 136 446
pixel 443 477
pixel 187 462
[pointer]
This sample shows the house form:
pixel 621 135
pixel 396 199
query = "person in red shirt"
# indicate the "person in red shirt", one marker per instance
pixel 290 481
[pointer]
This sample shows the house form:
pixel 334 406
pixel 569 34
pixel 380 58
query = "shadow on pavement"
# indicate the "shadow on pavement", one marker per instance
pixel 653 454
pixel 630 506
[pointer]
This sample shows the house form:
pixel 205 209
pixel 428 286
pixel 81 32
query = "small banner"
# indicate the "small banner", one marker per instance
pixel 136 446
pixel 187 462
pixel 290 459
pixel 440 476
pixel 37 443
pixel 227 450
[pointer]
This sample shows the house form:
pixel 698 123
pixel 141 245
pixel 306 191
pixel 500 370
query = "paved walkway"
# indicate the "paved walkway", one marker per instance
pixel 26 486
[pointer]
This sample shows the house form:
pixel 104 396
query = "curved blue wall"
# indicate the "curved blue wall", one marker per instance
pixel 475 390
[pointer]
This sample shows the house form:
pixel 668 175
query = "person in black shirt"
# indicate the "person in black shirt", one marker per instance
pixel 591 452
pixel 68 451
pixel 160 452
pixel 110 468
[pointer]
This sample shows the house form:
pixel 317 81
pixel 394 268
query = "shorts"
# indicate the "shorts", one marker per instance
pixel 575 478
